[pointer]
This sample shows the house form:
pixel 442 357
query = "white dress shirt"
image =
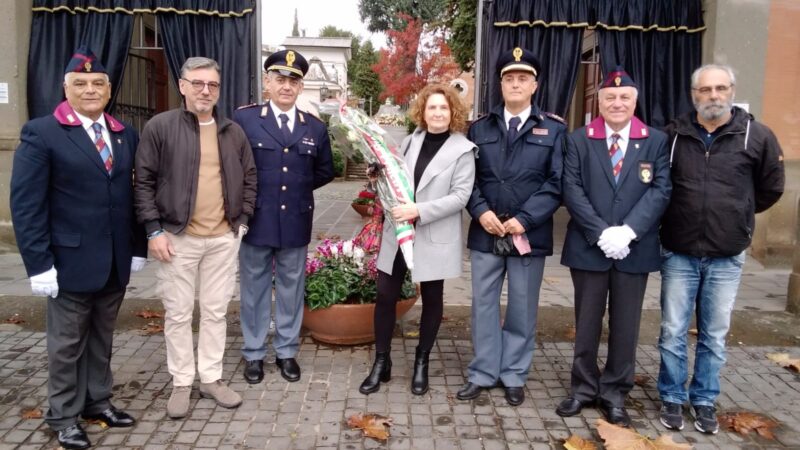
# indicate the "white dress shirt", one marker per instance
pixel 523 116
pixel 291 113
pixel 624 137
pixel 87 126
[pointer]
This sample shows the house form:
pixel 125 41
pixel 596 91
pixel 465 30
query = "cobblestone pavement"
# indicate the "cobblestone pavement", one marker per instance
pixel 312 413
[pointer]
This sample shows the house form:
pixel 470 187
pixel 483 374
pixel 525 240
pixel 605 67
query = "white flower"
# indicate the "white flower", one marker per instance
pixel 347 248
pixel 358 253
pixel 335 251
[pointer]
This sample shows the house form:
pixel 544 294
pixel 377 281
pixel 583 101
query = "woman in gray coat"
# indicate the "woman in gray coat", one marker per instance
pixel 441 161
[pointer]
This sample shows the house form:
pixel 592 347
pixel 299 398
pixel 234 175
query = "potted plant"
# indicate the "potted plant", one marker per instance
pixel 340 294
pixel 364 202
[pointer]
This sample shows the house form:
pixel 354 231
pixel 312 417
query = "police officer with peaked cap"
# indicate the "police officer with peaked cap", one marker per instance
pixel 293 156
pixel 517 190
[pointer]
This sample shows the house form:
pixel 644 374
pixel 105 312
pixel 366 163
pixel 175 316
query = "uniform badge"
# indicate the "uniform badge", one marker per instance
pixel 71 118
pixel 290 58
pixel 264 111
pixel 591 131
pixel 646 172
pixel 119 141
pixel 517 54
pixel 617 81
pixel 540 131
pixel 87 67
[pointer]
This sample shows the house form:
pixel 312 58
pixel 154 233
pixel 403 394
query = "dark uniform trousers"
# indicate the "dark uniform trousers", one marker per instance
pixel 624 293
pixel 80 328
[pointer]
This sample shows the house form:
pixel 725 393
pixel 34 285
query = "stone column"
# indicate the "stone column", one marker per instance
pixel 793 293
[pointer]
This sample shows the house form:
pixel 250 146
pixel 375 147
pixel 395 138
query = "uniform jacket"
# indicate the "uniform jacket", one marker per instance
pixel 67 210
pixel 288 173
pixel 168 167
pixel 595 201
pixel 443 191
pixel 716 192
pixel 523 182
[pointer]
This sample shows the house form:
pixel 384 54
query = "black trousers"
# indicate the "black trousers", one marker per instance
pixel 80 328
pixel 389 287
pixel 624 293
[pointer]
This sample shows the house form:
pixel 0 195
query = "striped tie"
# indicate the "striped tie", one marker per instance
pixel 102 147
pixel 616 156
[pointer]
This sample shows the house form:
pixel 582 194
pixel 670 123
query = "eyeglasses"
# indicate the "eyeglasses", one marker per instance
pixel 199 85
pixel 722 89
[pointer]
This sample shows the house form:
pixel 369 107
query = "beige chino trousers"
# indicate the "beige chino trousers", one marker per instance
pixel 208 263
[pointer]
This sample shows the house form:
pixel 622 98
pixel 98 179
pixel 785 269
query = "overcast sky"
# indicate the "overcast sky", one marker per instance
pixel 278 17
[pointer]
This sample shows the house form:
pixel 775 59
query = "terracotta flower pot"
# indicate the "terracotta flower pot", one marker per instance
pixel 362 209
pixel 347 324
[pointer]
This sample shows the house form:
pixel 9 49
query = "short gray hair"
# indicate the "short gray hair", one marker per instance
pixel 723 67
pixel 199 62
pixel 67 76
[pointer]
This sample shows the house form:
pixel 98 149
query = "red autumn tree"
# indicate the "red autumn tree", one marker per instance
pixel 415 57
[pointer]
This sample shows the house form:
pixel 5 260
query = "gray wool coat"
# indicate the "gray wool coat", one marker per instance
pixel 443 192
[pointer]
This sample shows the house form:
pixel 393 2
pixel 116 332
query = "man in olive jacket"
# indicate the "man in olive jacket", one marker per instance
pixel 195 192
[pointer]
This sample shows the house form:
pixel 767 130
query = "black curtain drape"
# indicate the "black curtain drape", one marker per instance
pixel 219 29
pixel 225 40
pixel 659 42
pixel 659 54
pixel 557 48
pixel 54 38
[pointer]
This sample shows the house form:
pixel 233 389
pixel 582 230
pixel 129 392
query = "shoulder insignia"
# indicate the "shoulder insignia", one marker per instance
pixel 555 117
pixel 247 106
pixel 301 116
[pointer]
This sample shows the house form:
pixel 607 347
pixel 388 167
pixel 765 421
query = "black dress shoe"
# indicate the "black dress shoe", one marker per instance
pixel 616 415
pixel 469 391
pixel 73 437
pixel 515 395
pixel 112 417
pixel 570 407
pixel 290 370
pixel 254 371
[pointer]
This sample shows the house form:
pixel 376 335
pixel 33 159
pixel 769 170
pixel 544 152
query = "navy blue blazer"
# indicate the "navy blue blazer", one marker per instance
pixel 288 173
pixel 522 182
pixel 67 210
pixel 595 201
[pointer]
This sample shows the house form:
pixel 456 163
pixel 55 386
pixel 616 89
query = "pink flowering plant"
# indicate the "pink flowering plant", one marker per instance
pixel 341 272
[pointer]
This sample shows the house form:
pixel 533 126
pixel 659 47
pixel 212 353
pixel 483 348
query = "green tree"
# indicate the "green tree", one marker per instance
pixel 384 15
pixel 366 83
pixel 461 24
pixel 296 26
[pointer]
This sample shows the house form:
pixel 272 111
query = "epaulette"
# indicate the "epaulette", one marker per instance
pixel 555 117
pixel 247 106
pixel 303 115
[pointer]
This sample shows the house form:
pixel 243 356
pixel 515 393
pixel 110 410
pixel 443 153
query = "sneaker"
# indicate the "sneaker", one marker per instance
pixel 178 404
pixel 672 415
pixel 705 419
pixel 223 395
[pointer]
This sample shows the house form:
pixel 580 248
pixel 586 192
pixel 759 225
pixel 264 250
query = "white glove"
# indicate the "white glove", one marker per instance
pixel 46 283
pixel 622 254
pixel 614 239
pixel 137 263
pixel 243 229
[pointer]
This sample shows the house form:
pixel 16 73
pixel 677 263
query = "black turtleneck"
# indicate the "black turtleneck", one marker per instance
pixel 430 145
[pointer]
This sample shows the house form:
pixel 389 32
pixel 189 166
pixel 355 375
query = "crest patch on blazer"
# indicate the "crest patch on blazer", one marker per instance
pixel 645 172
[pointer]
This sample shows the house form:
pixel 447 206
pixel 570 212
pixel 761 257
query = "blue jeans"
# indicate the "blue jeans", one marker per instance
pixel 712 283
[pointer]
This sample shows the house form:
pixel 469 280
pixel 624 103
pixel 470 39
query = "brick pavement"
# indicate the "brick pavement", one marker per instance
pixel 312 413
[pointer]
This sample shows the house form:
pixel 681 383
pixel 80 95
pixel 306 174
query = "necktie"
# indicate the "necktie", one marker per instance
pixel 102 147
pixel 513 123
pixel 285 127
pixel 616 156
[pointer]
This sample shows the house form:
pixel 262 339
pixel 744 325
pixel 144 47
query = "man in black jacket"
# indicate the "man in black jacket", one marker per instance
pixel 725 168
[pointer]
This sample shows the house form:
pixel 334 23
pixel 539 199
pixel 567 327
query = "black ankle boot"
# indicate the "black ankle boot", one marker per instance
pixel 381 372
pixel 419 382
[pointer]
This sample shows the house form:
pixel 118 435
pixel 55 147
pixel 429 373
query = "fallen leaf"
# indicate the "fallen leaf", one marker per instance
pixel 619 438
pixel 33 413
pixel 785 360
pixel 745 422
pixel 641 380
pixel 373 425
pixel 15 319
pixel 153 328
pixel 412 334
pixel 570 333
pixel 578 443
pixel 148 314
pixel 693 331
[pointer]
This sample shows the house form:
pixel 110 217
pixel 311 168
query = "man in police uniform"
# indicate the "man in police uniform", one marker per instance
pixel 293 156
pixel 616 186
pixel 517 189
pixel 72 209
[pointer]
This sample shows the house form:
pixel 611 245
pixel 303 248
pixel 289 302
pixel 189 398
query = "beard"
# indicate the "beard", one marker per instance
pixel 712 110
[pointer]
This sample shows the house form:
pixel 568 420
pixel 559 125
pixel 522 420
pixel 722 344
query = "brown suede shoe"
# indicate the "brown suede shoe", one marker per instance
pixel 178 404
